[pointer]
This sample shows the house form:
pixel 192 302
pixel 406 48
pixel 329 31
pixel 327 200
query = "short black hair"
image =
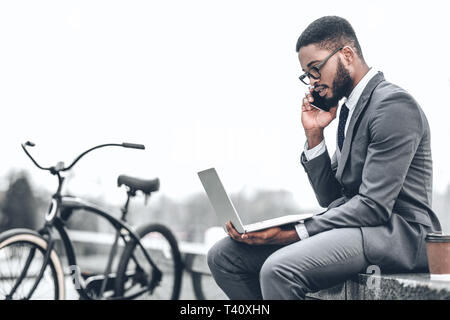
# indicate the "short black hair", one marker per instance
pixel 331 33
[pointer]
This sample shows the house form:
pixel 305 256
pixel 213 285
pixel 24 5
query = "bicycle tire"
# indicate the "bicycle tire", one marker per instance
pixel 11 243
pixel 197 286
pixel 172 287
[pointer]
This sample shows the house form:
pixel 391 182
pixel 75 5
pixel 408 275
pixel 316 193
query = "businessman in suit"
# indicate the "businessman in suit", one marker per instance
pixel 377 186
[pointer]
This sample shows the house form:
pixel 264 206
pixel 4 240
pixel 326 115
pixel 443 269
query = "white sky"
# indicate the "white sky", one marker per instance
pixel 200 83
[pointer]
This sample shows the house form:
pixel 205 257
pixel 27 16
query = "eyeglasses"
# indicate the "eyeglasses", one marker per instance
pixel 314 72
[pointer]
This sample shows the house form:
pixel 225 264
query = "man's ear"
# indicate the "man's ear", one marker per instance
pixel 349 55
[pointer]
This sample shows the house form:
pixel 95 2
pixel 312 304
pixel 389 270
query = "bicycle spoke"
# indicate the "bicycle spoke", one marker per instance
pixel 13 278
pixel 164 255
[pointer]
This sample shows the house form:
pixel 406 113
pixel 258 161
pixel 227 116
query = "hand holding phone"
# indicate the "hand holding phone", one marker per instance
pixel 316 115
pixel 319 102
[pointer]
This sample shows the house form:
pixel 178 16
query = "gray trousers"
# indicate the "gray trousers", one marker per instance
pixel 254 272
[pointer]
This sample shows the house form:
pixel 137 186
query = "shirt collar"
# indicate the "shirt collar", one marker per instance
pixel 352 100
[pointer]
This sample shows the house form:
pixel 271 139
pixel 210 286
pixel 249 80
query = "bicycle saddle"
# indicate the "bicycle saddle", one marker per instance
pixel 146 186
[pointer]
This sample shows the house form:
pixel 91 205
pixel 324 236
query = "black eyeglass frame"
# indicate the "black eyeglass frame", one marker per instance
pixel 317 68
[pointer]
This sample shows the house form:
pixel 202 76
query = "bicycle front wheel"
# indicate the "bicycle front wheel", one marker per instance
pixel 136 275
pixel 22 253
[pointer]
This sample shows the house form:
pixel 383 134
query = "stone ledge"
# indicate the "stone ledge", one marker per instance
pixel 408 286
pixel 405 286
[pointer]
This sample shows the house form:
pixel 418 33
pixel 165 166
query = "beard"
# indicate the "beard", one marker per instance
pixel 342 87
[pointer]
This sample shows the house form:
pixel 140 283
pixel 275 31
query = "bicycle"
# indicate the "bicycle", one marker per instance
pixel 31 268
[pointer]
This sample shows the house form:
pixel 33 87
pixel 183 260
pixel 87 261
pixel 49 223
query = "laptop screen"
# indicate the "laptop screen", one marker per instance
pixel 219 199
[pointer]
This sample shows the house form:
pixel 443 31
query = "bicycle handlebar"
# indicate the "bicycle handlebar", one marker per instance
pixel 133 145
pixel 59 168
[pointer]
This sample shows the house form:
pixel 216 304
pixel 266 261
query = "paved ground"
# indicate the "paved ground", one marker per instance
pixel 211 291
pixel 98 262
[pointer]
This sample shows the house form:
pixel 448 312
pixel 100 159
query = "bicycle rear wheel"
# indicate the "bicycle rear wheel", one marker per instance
pixel 22 253
pixel 135 273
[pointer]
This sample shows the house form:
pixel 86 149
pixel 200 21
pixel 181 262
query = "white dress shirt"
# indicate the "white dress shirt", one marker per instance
pixel 350 102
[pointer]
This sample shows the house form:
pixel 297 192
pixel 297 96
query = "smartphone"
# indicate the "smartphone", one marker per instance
pixel 319 102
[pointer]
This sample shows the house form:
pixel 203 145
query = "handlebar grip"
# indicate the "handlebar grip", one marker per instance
pixel 30 144
pixel 133 145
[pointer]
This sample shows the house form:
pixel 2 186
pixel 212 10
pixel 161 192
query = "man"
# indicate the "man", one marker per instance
pixel 376 187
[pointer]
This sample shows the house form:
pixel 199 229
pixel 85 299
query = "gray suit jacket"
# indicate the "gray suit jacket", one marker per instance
pixel 382 182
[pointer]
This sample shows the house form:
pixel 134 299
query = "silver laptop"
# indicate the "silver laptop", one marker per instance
pixel 225 210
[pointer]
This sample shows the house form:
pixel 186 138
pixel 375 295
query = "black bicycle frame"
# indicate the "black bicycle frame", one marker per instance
pixel 65 204
pixel 69 204
pixel 54 219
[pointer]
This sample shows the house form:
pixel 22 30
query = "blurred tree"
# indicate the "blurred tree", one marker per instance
pixel 197 217
pixel 265 204
pixel 198 214
pixel 85 221
pixel 18 208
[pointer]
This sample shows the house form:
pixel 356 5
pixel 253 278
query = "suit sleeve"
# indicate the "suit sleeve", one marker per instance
pixel 321 173
pixel 395 131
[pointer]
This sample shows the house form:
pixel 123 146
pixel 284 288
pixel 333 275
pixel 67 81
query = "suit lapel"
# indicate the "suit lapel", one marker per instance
pixel 360 106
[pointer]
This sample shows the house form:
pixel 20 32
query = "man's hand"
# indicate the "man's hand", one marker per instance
pixel 274 235
pixel 315 120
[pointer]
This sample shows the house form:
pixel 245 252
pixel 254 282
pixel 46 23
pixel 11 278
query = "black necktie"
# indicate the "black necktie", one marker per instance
pixel 343 115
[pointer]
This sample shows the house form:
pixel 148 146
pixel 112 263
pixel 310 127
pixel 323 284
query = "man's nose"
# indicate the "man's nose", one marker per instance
pixel 313 81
